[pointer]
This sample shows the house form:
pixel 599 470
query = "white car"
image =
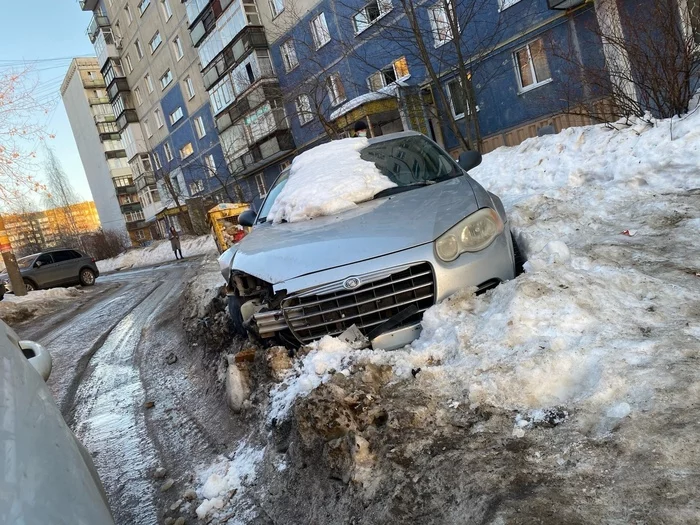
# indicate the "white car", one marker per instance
pixel 48 476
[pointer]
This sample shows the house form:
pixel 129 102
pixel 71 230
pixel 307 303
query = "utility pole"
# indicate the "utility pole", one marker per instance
pixel 11 262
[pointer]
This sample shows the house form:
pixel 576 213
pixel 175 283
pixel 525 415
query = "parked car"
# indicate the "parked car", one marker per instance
pixel 56 267
pixel 48 476
pixel 379 266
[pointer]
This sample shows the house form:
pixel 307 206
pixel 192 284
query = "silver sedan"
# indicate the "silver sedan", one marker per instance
pixel 378 266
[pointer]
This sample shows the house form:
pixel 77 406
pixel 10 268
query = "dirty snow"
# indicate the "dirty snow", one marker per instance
pixel 221 485
pixel 328 179
pixel 158 252
pixel 600 318
pixel 16 309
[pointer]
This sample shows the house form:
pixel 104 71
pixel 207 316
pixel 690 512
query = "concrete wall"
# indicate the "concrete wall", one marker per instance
pixel 75 99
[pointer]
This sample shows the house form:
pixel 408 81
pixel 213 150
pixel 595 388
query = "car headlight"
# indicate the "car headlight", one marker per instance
pixel 473 234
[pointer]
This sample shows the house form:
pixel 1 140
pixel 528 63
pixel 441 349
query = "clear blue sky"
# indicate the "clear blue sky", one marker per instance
pixel 43 30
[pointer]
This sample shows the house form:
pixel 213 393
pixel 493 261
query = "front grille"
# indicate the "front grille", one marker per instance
pixel 311 316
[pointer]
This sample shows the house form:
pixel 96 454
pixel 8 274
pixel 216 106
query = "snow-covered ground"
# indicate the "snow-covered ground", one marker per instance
pixel 158 252
pixel 610 222
pixel 313 189
pixel 15 309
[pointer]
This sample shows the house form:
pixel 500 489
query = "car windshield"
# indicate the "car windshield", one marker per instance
pixel 409 162
pixel 272 195
pixel 25 262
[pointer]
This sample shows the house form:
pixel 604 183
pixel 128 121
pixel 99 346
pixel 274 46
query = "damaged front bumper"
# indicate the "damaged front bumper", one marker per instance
pixel 384 297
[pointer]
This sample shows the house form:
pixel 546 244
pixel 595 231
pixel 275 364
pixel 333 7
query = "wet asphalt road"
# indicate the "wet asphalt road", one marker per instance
pixel 109 357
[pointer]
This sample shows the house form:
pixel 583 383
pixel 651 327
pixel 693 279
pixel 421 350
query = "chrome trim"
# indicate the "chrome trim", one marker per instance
pixel 364 279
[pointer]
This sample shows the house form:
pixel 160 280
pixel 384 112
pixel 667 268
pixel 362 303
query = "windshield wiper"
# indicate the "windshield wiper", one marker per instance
pixel 400 189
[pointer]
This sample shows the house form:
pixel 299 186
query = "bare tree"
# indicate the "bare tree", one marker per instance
pixel 26 210
pixel 60 199
pixel 167 176
pixel 650 66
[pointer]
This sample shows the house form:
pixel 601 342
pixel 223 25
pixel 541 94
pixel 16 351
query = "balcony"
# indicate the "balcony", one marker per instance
pixel 93 82
pixel 88 5
pixel 118 85
pixel 136 224
pixel 128 116
pixel 94 101
pixel 251 37
pixel 124 190
pixel 108 131
pixel 130 207
pixel 103 119
pixel 145 180
pixel 98 21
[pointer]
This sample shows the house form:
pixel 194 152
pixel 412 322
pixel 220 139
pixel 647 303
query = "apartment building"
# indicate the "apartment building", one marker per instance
pixel 101 150
pixel 162 110
pixel 245 94
pixel 35 231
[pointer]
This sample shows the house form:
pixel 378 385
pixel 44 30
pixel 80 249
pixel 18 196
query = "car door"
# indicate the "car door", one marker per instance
pixel 66 268
pixel 44 271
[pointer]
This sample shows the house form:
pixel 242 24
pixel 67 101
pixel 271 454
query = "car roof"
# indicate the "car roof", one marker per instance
pixel 51 250
pixel 393 136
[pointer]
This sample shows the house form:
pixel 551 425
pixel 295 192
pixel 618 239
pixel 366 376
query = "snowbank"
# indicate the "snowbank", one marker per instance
pixel 16 309
pixel 601 317
pixel 221 486
pixel 328 179
pixel 158 252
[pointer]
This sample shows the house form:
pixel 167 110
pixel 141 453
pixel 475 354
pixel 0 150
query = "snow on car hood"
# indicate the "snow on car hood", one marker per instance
pixel 279 252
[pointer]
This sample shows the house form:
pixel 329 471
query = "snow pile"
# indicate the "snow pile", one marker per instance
pixel 158 252
pixel 385 92
pixel 327 356
pixel 328 179
pixel 600 319
pixel 15 309
pixel 222 484
pixel 204 287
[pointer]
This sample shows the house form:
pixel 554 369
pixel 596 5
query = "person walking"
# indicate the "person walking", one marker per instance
pixel 175 242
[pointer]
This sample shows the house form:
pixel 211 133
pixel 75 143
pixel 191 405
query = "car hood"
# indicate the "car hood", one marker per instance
pixel 278 252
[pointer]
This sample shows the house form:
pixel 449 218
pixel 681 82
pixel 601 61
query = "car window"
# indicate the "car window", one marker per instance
pixel 76 255
pixel 26 262
pixel 272 195
pixel 44 259
pixel 63 255
pixel 410 160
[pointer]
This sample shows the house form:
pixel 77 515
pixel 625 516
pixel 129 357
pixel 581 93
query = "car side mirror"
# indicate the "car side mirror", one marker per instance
pixel 469 159
pixel 247 218
pixel 38 357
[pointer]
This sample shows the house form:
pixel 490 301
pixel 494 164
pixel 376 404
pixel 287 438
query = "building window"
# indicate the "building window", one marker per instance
pixel 189 86
pixel 289 55
pixel 221 95
pixel 165 6
pixel 129 16
pixel 159 118
pixel 168 152
pixel 196 186
pixel 149 82
pixel 139 49
pixel 156 161
pixel 137 95
pixel 147 128
pixel 336 91
pixel 142 5
pixel 303 105
pixel 166 79
pixel 175 116
pixel 127 64
pixel 456 96
pixel 211 165
pixel 319 31
pixel 369 14
pixel 276 7
pixel 531 65
pixel 199 127
pixel 186 150
pixel 504 4
pixel 397 70
pixel 260 183
pixel 155 42
pixel 177 45
pixel 440 23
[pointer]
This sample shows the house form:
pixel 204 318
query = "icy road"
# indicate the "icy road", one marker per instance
pixel 133 411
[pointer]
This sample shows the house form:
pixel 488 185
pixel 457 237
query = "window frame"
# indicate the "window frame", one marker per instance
pixel 335 101
pixel 160 121
pixel 156 161
pixel 381 9
pixel 138 96
pixel 168 152
pixel 272 4
pixel 381 72
pixel 167 11
pixel 169 74
pixel 285 48
pixel 318 44
pixel 179 50
pixel 260 183
pixel 181 151
pixel 176 116
pixel 155 37
pixel 139 49
pixel 129 15
pixel 434 24
pixel 148 80
pixel 147 128
pixel 128 64
pixel 189 85
pixel 518 74
pixel 142 6
pixel 505 4
pixel 199 127
pixel 301 110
